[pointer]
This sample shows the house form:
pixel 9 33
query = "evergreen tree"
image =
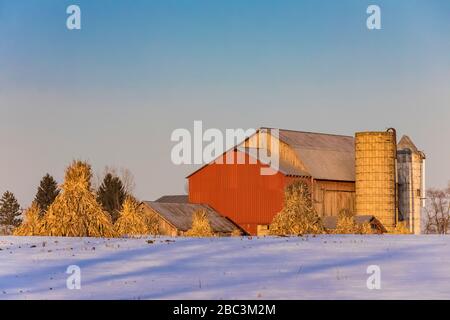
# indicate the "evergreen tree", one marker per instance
pixel 9 210
pixel 111 194
pixel 46 194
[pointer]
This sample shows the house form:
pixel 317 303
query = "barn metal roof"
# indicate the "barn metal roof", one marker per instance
pixel 325 156
pixel 321 141
pixel 180 215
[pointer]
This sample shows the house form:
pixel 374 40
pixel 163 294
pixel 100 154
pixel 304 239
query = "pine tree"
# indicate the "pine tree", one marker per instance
pixel 298 215
pixel 131 221
pixel 46 194
pixel 31 225
pixel 111 194
pixel 200 225
pixel 75 211
pixel 9 210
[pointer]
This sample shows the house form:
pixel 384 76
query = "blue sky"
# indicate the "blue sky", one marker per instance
pixel 113 91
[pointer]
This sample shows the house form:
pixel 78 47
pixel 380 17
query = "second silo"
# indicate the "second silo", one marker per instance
pixel 375 168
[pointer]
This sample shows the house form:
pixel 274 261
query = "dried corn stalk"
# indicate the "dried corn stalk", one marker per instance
pixel 401 228
pixel 236 233
pixel 131 221
pixel 298 215
pixel 32 224
pixel 366 228
pixel 152 222
pixel 346 224
pixel 200 225
pixel 75 211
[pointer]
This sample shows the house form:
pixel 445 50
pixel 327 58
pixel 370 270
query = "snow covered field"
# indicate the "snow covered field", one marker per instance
pixel 324 267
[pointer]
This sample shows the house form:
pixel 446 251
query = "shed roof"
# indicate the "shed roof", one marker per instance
pixel 179 198
pixel 330 222
pixel 180 215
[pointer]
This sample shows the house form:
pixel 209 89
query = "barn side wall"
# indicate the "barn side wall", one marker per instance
pixel 239 192
pixel 284 151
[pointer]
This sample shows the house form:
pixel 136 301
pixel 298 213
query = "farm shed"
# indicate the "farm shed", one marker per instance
pixel 176 218
pixel 326 162
pixel 330 223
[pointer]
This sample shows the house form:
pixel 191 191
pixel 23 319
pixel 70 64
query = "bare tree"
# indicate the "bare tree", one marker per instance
pixel 438 211
pixel 125 175
pixel 128 180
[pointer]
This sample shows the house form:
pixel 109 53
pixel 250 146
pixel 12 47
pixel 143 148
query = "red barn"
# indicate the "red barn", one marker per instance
pixel 239 191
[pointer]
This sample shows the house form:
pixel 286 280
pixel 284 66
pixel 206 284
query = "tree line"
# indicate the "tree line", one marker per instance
pixel 77 209
pixel 113 191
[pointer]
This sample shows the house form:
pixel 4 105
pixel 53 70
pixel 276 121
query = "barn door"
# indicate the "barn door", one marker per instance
pixel 335 201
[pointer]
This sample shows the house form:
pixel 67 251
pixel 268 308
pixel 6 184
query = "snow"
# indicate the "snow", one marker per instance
pixel 322 267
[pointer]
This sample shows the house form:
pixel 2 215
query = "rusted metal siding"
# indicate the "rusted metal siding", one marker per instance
pixel 239 192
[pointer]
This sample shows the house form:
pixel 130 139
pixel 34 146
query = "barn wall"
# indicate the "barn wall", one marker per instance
pixel 239 192
pixel 285 152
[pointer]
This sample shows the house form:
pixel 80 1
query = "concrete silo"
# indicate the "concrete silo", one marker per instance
pixel 411 183
pixel 376 178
